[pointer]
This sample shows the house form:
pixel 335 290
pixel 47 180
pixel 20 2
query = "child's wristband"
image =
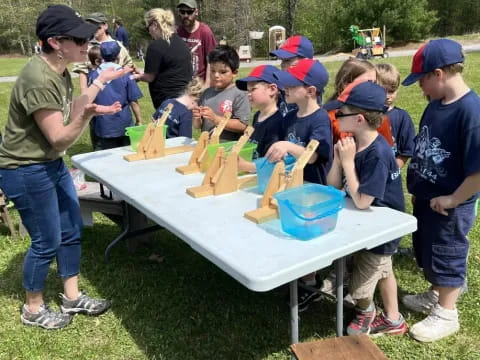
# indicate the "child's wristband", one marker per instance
pixel 98 84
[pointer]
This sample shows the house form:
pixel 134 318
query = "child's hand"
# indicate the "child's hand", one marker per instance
pixel 207 113
pixel 346 148
pixel 196 115
pixel 440 204
pixel 277 151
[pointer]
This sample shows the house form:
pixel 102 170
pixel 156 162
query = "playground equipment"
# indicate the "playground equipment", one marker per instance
pixel 152 144
pixel 368 43
pixel 222 175
pixel 279 181
pixel 276 37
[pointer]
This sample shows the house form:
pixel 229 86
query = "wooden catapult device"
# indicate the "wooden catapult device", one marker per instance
pixel 222 175
pixel 280 181
pixel 152 144
pixel 199 156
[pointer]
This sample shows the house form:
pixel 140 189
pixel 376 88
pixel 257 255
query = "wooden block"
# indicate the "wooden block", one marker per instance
pixel 179 149
pixel 200 191
pixel 261 215
pixel 134 157
pixel 358 347
pixel 188 169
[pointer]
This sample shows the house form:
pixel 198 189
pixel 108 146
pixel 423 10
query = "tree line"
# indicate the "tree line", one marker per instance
pixel 325 22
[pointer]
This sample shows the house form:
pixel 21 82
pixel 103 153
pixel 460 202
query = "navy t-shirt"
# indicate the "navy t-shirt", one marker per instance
pixel 266 132
pixel 124 90
pixel 446 148
pixel 179 120
pixel 379 176
pixel 403 132
pixel 300 130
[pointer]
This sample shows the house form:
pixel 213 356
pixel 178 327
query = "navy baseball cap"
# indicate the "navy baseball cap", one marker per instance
pixel 364 95
pixel 109 50
pixel 305 72
pixel 259 73
pixel 435 54
pixel 62 20
pixel 294 46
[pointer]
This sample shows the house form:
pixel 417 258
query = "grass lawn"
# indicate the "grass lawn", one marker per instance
pixel 183 307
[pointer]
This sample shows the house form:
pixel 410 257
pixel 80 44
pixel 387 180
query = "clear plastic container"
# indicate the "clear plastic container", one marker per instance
pixel 135 133
pixel 309 210
pixel 265 168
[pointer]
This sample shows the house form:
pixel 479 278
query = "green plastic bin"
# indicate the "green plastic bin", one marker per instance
pixel 135 133
pixel 246 152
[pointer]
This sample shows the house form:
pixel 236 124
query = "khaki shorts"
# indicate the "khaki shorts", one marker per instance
pixel 368 269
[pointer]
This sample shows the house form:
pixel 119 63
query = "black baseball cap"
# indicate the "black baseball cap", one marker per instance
pixel 61 20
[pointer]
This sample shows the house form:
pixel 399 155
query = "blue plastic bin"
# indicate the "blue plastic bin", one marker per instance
pixel 265 168
pixel 309 210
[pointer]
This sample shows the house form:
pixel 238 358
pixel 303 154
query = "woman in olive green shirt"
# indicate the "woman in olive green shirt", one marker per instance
pixel 43 121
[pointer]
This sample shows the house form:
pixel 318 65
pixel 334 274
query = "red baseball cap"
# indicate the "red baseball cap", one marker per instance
pixel 294 46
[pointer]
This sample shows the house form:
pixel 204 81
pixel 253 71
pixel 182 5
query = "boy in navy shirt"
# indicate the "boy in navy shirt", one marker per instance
pixel 110 129
pixel 262 93
pixel 179 120
pixel 444 179
pixel 401 124
pixel 303 83
pixel 365 166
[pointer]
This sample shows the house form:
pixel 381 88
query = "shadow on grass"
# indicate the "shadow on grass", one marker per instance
pixel 181 306
pixel 184 307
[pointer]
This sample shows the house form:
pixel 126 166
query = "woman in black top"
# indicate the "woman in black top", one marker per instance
pixel 168 67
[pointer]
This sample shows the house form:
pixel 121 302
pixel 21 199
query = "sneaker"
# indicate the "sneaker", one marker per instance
pixel 439 324
pixel 422 303
pixel 306 296
pixel 382 325
pixel 84 305
pixel 45 318
pixel 362 321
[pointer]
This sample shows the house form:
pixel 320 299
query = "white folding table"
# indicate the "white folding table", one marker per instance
pixel 260 257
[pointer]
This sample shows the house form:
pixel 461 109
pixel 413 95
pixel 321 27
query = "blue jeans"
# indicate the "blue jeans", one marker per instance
pixel 46 199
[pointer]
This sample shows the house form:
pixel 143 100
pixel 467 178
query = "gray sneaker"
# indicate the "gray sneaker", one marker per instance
pixel 423 303
pixel 45 318
pixel 84 305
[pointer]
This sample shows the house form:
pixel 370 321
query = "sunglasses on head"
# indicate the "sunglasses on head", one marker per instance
pixel 186 12
pixel 77 41
pixel 340 114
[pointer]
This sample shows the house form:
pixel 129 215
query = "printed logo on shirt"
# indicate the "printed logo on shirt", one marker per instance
pixel 194 45
pixel 292 137
pixel 429 157
pixel 225 106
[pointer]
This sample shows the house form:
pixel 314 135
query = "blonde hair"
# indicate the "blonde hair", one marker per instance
pixel 164 19
pixel 195 87
pixel 349 71
pixel 388 77
pixel 454 68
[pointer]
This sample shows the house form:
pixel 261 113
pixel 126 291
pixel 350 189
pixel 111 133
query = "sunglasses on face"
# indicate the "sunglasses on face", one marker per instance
pixel 77 41
pixel 340 114
pixel 186 12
